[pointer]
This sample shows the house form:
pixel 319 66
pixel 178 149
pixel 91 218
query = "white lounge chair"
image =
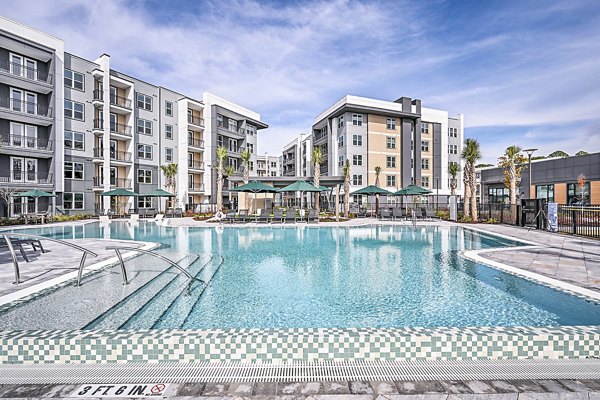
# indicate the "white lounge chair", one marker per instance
pixel 134 218
pixel 104 220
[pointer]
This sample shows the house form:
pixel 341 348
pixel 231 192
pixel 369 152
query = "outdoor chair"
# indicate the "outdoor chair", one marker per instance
pixel 229 217
pixel 18 243
pixel 242 216
pixel 362 212
pixel 142 212
pixel 170 213
pixel 178 213
pixel 104 220
pixel 312 216
pixel 397 214
pixel 262 217
pixel 430 214
pixel 134 218
pixel 418 213
pixel 384 213
pixel 290 215
pixel 277 216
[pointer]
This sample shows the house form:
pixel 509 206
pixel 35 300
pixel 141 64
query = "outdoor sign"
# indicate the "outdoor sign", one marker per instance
pixel 452 205
pixel 125 390
pixel 553 217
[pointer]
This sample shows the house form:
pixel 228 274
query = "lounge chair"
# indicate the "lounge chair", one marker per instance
pixel 178 213
pixel 277 216
pixel 290 215
pixel 158 218
pixel 18 243
pixel 385 213
pixel 170 213
pixel 362 212
pixel 397 214
pixel 263 217
pixel 134 218
pixel 418 213
pixel 430 214
pixel 229 217
pixel 104 220
pixel 312 216
pixel 242 216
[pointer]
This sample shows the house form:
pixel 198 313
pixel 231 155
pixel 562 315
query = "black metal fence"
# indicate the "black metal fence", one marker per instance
pixel 578 220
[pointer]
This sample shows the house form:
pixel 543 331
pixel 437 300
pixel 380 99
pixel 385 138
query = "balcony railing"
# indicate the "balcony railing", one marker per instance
pixel 239 131
pixel 25 107
pixel 114 154
pixel 25 142
pixel 120 129
pixel 20 176
pixel 195 187
pixel 32 74
pixel 195 164
pixel 319 135
pixel 120 101
pixel 99 95
pixel 116 182
pixel 196 120
pixel 196 143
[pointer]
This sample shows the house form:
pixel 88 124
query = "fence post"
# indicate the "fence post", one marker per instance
pixel 574 218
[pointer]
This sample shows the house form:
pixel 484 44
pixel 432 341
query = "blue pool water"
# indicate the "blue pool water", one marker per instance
pixel 379 276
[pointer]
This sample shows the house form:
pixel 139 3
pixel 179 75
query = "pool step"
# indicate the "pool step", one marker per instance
pixel 121 312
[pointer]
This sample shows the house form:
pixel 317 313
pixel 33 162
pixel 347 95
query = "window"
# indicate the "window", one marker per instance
pixel 74 80
pixel 390 161
pixel 498 195
pixel 273 164
pixel 168 108
pixel 578 195
pixel 545 192
pixel 424 127
pixel 144 202
pixel 453 132
pixel 74 140
pixel 169 131
pixel 144 151
pixel 251 129
pixel 425 163
pixel 251 165
pixel 144 127
pixel 251 148
pixel 391 123
pixel 425 146
pixel 390 143
pixel 340 121
pixel 144 176
pixel 451 163
pixel 412 145
pixel 273 173
pixel 412 163
pixel 357 180
pixel 357 159
pixel 357 119
pixel 143 101
pixel 168 154
pixel 73 201
pixel 425 181
pixel 391 181
pixel 357 140
pixel 340 161
pixel 233 125
pixel 453 149
pixel 73 170
pixel 341 141
pixel 74 110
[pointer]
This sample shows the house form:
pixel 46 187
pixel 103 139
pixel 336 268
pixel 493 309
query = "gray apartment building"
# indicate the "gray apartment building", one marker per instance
pixel 78 128
pixel 296 157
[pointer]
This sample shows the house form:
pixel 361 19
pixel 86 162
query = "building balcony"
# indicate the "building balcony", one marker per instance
pixel 120 101
pixel 25 107
pixel 197 143
pixel 24 178
pixel 197 165
pixel 289 160
pixel 230 129
pixel 15 74
pixel 19 142
pixel 119 156
pixel 120 129
pixel 98 98
pixel 319 136
pixel 196 121
pixel 114 182
pixel 195 187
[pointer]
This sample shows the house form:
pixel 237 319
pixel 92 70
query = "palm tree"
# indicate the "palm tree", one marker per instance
pixel 246 163
pixel 170 172
pixel 471 153
pixel 346 173
pixel 228 171
pixel 513 162
pixel 453 169
pixel 317 158
pixel 377 172
pixel 221 157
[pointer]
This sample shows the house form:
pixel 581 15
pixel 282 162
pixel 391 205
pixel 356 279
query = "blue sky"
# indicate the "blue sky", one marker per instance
pixel 522 72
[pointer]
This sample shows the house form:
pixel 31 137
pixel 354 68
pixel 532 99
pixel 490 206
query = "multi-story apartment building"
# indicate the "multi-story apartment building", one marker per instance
pixel 266 166
pixel 410 143
pixel 79 128
pixel 296 156
pixel 31 114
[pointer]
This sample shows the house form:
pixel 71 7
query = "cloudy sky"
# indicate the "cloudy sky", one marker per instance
pixel 522 72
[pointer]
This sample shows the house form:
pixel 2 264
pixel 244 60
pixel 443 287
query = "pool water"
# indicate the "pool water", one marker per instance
pixel 296 277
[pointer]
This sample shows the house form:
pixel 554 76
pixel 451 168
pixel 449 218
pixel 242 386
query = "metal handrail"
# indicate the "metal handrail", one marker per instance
pixel 28 235
pixel 118 249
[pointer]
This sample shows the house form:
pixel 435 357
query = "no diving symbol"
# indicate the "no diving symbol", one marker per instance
pixel 157 388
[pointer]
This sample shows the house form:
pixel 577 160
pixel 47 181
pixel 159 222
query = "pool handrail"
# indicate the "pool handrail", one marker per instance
pixel 17 272
pixel 118 249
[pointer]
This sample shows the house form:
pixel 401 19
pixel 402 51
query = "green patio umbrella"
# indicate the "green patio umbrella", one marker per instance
pixel 119 192
pixel 34 193
pixel 157 193
pixel 300 186
pixel 372 189
pixel 411 190
pixel 255 187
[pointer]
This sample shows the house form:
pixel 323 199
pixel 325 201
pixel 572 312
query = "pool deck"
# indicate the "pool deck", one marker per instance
pixel 551 389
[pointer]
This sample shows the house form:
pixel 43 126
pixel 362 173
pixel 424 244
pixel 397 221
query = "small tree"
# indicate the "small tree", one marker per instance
pixel 170 172
pixel 377 173
pixel 454 169
pixel 7 195
pixel 317 158
pixel 221 157
pixel 228 171
pixel 581 181
pixel 512 163
pixel 246 163
pixel 346 174
pixel 471 154
pixel 582 153
pixel 558 153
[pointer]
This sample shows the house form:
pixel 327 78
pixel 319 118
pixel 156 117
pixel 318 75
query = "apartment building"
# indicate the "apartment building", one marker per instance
pixel 266 166
pixel 410 143
pixel 79 128
pixel 31 114
pixel 296 157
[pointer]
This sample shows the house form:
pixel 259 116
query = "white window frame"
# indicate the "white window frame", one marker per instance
pixel 357 140
pixel 357 160
pixel 73 81
pixel 23 171
pixel 392 178
pixel 146 127
pixel 341 141
pixel 390 143
pixel 72 170
pixel 168 131
pixel 390 124
pixel 423 183
pixel 425 164
pixel 390 161
pixel 73 111
pixel 168 154
pixel 425 146
pixel 357 119
pixel 169 108
pixel 357 180
pixel 146 173
pixel 23 72
pixel 145 100
pixel 340 121
pixel 340 161
pixel 74 201
pixel 73 140
pixel 144 148
pixel 144 202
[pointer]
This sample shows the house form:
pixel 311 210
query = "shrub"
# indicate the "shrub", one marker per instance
pixel 443 214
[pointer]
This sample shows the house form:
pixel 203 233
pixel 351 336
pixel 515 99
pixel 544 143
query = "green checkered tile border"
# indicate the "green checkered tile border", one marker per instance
pixel 256 345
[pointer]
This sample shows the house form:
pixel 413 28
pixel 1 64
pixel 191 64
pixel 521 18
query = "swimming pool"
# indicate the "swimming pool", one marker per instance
pixel 302 277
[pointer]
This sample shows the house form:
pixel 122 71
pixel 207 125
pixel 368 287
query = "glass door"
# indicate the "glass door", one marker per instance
pixel 16 64
pixel 113 149
pixel 30 69
pixel 31 103
pixel 16 134
pixel 17 169
pixel 113 176
pixel 113 95
pixel 30 136
pixel 16 100
pixel 31 165
pixel 113 122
